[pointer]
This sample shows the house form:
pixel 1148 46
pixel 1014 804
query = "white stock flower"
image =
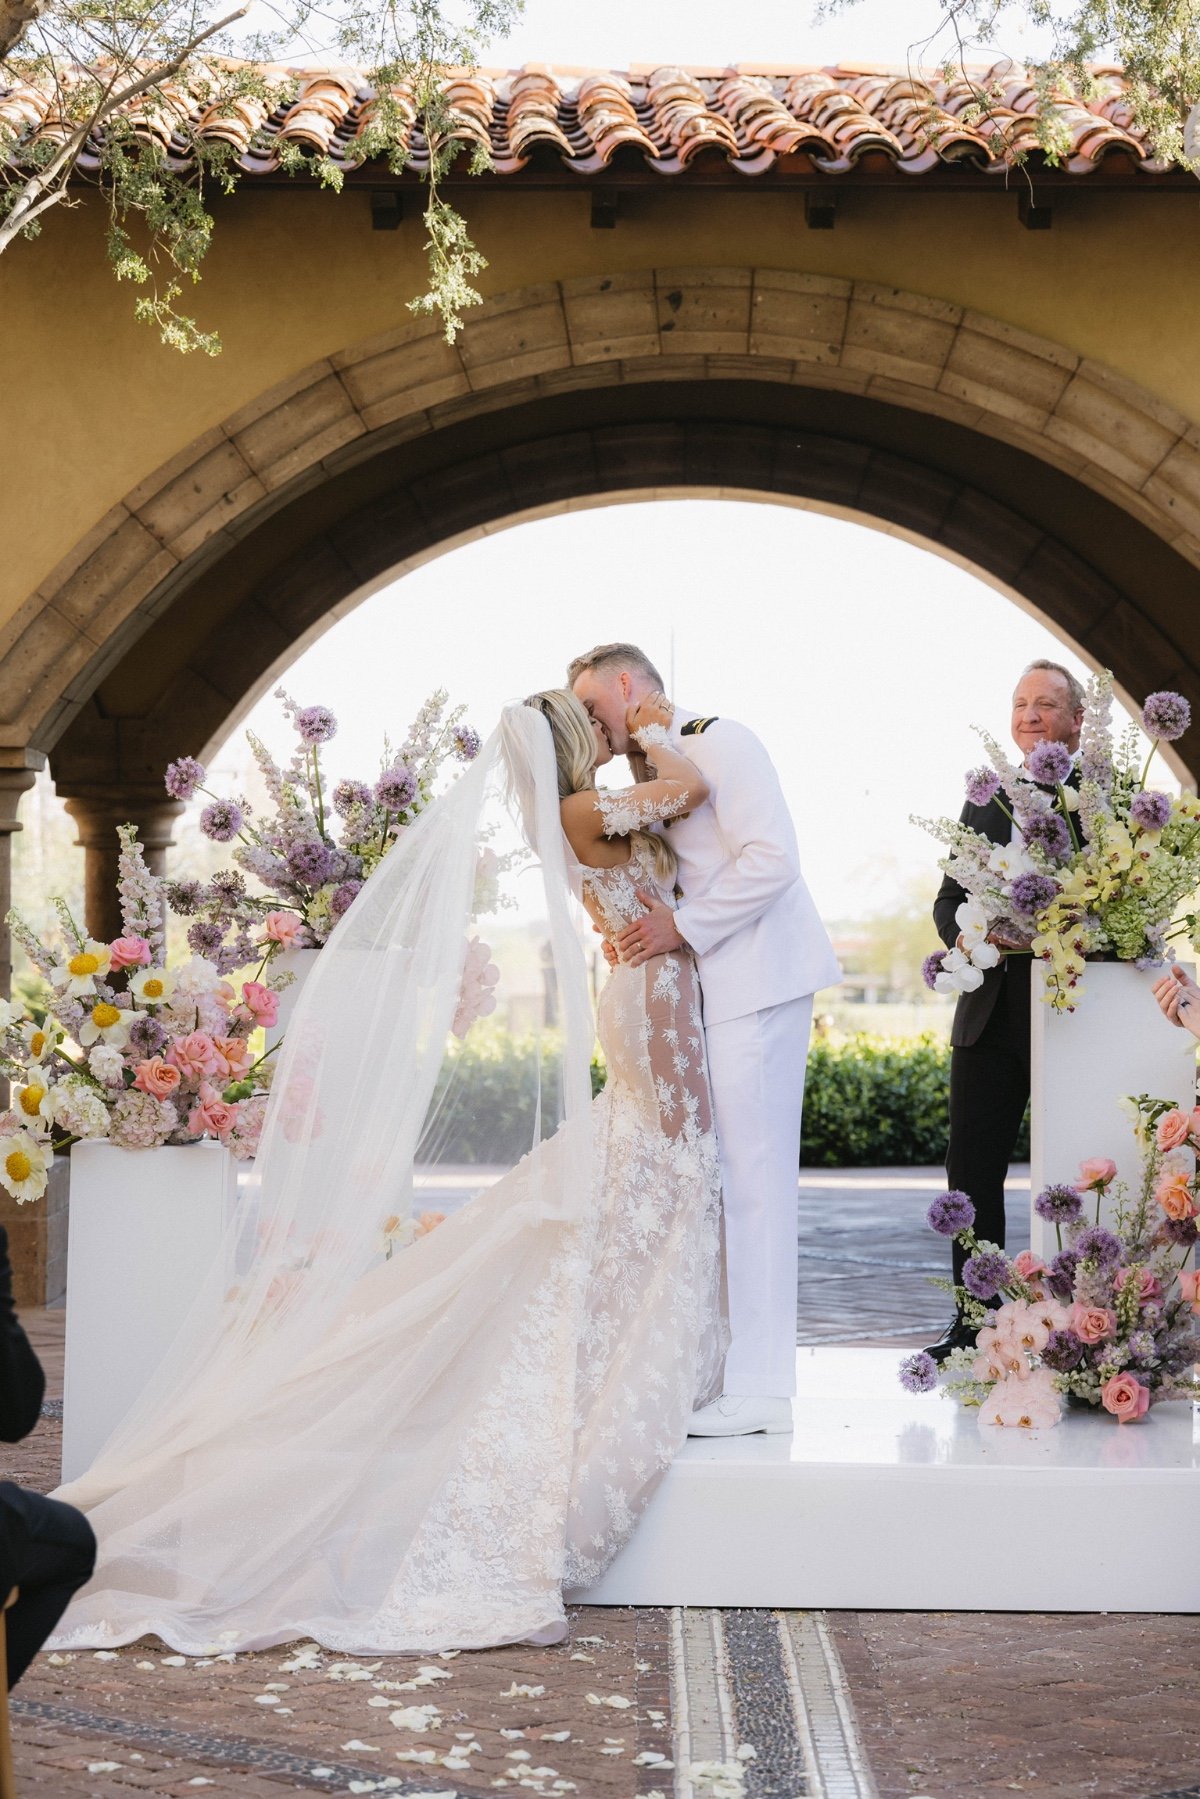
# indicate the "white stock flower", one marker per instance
pixel 23 1165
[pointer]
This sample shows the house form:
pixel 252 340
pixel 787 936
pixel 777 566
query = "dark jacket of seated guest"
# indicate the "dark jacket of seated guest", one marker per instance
pixel 22 1383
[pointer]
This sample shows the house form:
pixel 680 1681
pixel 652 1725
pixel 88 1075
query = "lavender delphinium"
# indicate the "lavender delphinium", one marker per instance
pixel 1048 831
pixel 1095 1244
pixel 950 1213
pixel 918 1373
pixel 1150 810
pixel 1050 763
pixel 983 784
pixel 1058 1204
pixel 1166 716
pixel 931 967
pixel 222 820
pixel 1031 893
pixel 140 894
pixel 985 1273
pixel 184 777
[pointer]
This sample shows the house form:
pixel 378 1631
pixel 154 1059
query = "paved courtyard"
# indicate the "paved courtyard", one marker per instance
pixel 654 1702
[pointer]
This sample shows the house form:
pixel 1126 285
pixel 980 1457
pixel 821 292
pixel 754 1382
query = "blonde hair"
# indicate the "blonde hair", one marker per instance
pixel 575 760
pixel 612 656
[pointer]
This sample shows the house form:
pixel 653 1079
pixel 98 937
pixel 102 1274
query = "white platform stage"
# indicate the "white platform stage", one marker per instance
pixel 882 1500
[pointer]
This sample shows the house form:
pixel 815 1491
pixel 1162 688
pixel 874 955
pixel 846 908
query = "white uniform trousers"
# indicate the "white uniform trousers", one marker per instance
pixel 757 1067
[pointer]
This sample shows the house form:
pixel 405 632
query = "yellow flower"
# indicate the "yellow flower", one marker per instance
pixel 151 986
pixel 77 976
pixel 106 1023
pixel 23 1164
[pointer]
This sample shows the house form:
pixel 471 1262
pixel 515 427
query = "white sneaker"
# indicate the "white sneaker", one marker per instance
pixel 738 1417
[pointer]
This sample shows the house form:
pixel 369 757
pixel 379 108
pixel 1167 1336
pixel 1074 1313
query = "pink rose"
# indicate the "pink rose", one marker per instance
pixel 129 952
pixel 1148 1285
pixel 1174 1128
pixel 1092 1324
pixel 1189 1283
pixel 262 1002
pixel 1028 1265
pixel 211 1116
pixel 1095 1173
pixel 284 928
pixel 233 1057
pixel 155 1078
pixel 1174 1195
pixel 1126 1398
pixel 194 1056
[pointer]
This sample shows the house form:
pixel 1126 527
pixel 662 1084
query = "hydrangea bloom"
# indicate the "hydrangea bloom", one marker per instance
pixel 1166 716
pixel 183 777
pixel 139 1121
pixel 950 1213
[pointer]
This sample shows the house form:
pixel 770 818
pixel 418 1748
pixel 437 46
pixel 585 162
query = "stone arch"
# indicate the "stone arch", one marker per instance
pixel 1056 477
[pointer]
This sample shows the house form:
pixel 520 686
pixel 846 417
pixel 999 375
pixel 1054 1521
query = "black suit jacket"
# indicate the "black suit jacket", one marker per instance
pixel 22 1383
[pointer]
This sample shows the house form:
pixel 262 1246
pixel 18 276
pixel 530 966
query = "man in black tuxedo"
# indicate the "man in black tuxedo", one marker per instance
pixel 47 1549
pixel 989 1039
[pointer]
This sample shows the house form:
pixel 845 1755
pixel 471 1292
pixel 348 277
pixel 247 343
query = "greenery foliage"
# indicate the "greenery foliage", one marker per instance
pixel 868 1102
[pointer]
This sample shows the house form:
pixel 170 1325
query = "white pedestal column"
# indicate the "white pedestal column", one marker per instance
pixel 1084 1062
pixel 145 1226
pixel 300 962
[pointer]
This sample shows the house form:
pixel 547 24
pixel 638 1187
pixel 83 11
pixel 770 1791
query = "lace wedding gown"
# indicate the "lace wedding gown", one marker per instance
pixel 512 1386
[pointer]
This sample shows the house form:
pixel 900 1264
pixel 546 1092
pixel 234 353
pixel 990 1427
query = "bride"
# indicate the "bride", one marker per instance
pixel 422 1452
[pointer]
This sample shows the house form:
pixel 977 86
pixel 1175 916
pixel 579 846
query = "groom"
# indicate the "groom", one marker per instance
pixel 762 953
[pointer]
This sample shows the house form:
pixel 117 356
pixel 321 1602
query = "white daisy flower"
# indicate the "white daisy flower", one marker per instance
pixel 151 986
pixel 23 1165
pixel 77 976
pixel 41 1039
pixel 106 1023
pixel 34 1103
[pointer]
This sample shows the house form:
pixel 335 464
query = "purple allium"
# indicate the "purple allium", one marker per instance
pixel 316 724
pixel 985 1273
pixel 1150 810
pixel 950 1213
pixel 1098 1245
pixel 343 897
pixel 146 1036
pixel 396 788
pixel 348 794
pixel 183 777
pixel 1059 1204
pixel 467 743
pixel 1064 1267
pixel 185 897
pixel 205 938
pixel 1166 716
pixel 1063 1351
pixel 1031 893
pixel 1183 1231
pixel 983 784
pixel 221 821
pixel 918 1373
pixel 227 886
pixel 931 967
pixel 1049 763
pixel 1048 830
pixel 312 862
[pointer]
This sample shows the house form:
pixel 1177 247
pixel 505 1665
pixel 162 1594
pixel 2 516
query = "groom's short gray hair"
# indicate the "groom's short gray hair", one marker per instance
pixel 614 655
pixel 1075 693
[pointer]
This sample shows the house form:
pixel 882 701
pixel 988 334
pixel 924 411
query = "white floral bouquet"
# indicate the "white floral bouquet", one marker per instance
pixel 317 845
pixel 126 1048
pixel 1110 1321
pixel 1098 870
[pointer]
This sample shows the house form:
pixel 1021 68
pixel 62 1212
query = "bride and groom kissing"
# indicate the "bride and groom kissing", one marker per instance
pixel 426 1453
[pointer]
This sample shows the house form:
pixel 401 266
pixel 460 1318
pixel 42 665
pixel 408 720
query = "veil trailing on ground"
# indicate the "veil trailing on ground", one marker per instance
pixel 319 1385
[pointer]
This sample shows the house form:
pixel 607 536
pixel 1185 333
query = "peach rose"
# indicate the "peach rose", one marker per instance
pixel 1092 1324
pixel 428 1221
pixel 261 1002
pixel 194 1056
pixel 233 1057
pixel 284 928
pixel 1189 1284
pixel 211 1116
pixel 1096 1172
pixel 1174 1128
pixel 156 1078
pixel 129 952
pixel 1174 1195
pixel 1125 1397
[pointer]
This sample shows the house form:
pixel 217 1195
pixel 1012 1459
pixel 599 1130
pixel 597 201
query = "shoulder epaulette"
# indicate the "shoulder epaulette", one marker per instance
pixel 696 727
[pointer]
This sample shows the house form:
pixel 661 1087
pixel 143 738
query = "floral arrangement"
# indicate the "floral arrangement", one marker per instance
pixel 1113 1320
pixel 127 1048
pixel 1101 869
pixel 317 845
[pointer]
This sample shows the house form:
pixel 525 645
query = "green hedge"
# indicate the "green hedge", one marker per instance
pixel 868 1101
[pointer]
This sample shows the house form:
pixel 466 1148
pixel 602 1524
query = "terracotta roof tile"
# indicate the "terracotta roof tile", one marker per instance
pixel 664 120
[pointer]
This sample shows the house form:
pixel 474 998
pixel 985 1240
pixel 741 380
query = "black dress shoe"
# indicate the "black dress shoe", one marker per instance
pixel 958 1334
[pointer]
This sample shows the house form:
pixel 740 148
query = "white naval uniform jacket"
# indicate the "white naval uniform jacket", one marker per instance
pixel 745 910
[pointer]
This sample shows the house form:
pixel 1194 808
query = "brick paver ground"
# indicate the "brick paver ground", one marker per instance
pixel 947 1705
